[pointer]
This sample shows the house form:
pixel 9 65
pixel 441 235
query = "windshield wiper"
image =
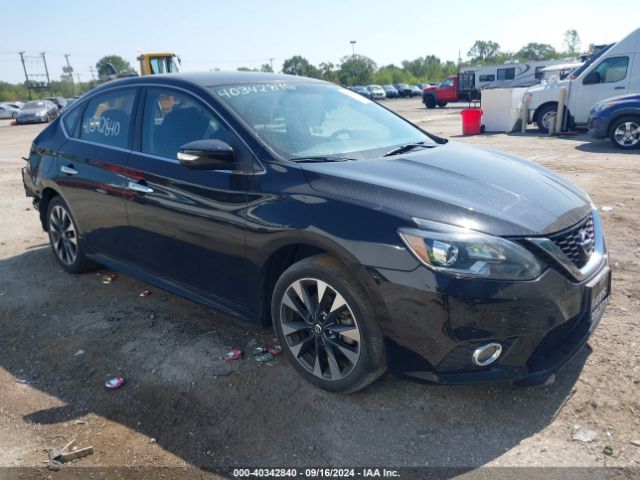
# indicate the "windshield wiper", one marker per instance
pixel 320 159
pixel 407 148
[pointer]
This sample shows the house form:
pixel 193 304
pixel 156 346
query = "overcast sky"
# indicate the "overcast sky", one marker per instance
pixel 211 34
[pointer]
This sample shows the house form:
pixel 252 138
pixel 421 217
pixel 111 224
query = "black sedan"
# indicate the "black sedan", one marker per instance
pixel 618 119
pixel 37 111
pixel 403 89
pixel 367 242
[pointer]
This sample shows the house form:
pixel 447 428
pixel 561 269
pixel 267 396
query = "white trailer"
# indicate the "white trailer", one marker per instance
pixel 510 74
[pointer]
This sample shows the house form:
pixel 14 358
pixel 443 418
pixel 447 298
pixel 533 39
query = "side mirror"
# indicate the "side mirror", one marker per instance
pixel 591 78
pixel 206 155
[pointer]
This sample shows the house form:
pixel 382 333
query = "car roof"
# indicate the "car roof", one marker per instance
pixel 207 79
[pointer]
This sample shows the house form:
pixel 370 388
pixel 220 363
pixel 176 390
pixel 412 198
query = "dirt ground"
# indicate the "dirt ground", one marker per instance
pixel 184 406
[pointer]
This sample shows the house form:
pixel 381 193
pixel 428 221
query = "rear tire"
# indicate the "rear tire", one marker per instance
pixel 327 325
pixel 625 133
pixel 65 239
pixel 442 104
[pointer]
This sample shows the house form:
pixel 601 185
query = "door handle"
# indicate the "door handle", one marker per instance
pixel 619 88
pixel 138 187
pixel 68 170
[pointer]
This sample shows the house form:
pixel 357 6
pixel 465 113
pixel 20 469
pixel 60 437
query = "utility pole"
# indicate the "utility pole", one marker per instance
pixel 353 48
pixel 26 76
pixel 93 72
pixel 46 71
pixel 271 63
pixel 70 73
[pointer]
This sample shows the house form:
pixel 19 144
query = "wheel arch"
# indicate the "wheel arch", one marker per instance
pixel 618 116
pixel 536 113
pixel 47 195
pixel 286 253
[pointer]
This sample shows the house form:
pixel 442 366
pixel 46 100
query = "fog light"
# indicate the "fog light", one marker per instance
pixel 487 354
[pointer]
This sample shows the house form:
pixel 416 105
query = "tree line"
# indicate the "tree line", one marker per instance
pixel 351 69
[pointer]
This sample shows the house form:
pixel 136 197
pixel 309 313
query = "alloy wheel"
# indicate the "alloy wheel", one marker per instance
pixel 64 238
pixel 627 134
pixel 320 329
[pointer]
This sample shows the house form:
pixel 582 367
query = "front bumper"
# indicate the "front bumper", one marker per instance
pixel 435 322
pixel 597 127
pixel 25 120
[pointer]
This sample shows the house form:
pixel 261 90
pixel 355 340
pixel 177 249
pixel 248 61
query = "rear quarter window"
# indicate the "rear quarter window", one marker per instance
pixel 71 120
pixel 107 118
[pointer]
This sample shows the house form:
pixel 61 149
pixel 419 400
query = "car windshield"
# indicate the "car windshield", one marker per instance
pixel 301 120
pixel 578 71
pixel 33 105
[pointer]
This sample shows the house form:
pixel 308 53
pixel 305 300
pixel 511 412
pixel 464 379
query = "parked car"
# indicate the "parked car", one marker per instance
pixel 390 91
pixel 613 70
pixel 60 102
pixel 37 111
pixel 403 89
pixel 15 104
pixel 376 92
pixel 361 90
pixel 7 111
pixel 415 91
pixel 619 119
pixel 365 241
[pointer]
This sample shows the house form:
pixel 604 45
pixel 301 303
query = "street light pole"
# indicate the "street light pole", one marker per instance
pixel 353 48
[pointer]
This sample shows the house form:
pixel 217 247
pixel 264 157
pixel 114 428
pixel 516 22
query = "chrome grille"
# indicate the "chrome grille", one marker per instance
pixel 578 243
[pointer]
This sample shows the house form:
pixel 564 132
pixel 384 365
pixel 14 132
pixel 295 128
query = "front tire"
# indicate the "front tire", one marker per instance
pixel 326 325
pixel 625 133
pixel 442 104
pixel 546 115
pixel 64 237
pixel 430 102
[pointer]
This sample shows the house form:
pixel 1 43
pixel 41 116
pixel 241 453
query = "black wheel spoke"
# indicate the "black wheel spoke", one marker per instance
pixel 350 353
pixel 334 368
pixel 293 327
pixel 303 346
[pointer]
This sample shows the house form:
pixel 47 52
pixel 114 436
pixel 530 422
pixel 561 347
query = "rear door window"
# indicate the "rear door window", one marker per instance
pixel 107 118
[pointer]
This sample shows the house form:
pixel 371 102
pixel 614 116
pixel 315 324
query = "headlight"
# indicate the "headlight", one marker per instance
pixel 41 114
pixel 466 253
pixel 601 106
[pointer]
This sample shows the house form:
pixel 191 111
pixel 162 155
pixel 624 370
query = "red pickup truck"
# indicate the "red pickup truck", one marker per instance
pixel 456 87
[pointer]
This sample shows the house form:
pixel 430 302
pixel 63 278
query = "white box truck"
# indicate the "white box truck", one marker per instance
pixel 613 71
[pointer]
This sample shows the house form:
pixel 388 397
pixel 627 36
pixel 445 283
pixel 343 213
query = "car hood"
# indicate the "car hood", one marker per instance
pixel 473 187
pixel 549 86
pixel 633 98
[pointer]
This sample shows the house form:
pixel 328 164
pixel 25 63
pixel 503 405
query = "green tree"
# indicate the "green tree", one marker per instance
pixel 356 70
pixel 298 65
pixel 246 69
pixel 537 51
pixel 119 63
pixel 266 67
pixel 484 51
pixel 329 72
pixel 572 42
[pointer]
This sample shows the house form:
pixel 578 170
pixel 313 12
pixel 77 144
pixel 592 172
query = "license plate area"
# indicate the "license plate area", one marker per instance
pixel 598 292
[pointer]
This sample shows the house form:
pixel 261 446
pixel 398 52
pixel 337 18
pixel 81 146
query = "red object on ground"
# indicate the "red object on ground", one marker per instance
pixel 471 121
pixel 115 382
pixel 13 122
pixel 233 354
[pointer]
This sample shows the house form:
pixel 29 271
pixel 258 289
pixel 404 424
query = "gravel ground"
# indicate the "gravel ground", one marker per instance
pixel 183 406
